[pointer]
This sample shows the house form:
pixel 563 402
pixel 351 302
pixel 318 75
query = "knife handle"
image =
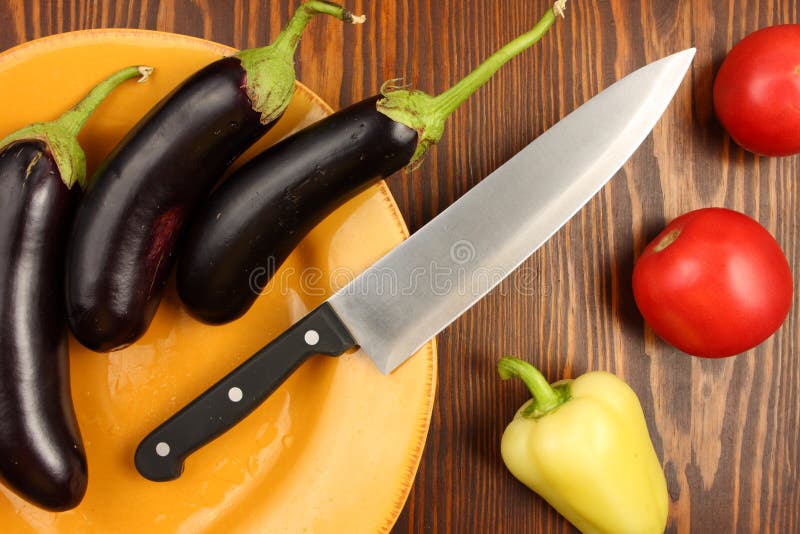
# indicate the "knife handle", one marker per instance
pixel 161 454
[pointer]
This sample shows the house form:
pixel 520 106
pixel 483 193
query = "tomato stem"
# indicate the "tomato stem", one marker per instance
pixel 667 240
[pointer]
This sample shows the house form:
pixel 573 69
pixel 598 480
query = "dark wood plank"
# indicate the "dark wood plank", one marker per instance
pixel 726 431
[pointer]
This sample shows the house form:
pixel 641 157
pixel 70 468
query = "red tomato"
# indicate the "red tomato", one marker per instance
pixel 757 91
pixel 714 283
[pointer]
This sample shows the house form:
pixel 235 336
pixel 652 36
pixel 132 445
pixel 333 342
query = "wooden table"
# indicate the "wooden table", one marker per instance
pixel 727 430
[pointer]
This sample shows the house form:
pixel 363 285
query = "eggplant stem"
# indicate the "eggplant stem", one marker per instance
pixel 61 135
pixel 427 114
pixel 73 120
pixel 269 70
pixel 289 37
pixel 448 101
pixel 145 73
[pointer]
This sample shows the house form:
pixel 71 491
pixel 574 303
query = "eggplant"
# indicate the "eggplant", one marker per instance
pixel 121 249
pixel 253 220
pixel 42 172
pixel 258 215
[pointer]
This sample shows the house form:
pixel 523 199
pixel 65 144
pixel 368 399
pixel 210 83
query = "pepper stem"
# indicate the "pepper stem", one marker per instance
pixel 73 120
pixel 546 398
pixel 427 114
pixel 269 70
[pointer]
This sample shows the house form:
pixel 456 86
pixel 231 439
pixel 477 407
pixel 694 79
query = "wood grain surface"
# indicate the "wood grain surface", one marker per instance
pixel 727 430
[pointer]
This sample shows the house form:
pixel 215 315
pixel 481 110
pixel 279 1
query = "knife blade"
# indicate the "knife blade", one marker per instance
pixel 416 290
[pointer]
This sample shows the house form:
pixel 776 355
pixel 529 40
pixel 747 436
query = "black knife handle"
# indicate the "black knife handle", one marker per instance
pixel 161 454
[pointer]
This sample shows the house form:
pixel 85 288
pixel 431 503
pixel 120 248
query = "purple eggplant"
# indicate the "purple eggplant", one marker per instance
pixel 41 454
pixel 252 221
pixel 121 249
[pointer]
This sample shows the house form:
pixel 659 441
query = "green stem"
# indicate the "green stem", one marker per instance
pixel 73 120
pixel 270 76
pixel 546 398
pixel 289 37
pixel 61 135
pixel 447 102
pixel 427 114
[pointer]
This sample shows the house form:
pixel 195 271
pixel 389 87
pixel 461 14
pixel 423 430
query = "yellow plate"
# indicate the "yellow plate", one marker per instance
pixel 335 449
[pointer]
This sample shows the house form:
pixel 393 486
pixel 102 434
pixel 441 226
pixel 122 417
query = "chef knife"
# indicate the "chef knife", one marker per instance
pixel 424 284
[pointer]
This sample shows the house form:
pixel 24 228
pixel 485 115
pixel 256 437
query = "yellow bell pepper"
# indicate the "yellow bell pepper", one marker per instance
pixel 583 446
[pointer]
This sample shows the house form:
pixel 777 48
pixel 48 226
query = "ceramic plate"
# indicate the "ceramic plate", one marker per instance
pixel 335 449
